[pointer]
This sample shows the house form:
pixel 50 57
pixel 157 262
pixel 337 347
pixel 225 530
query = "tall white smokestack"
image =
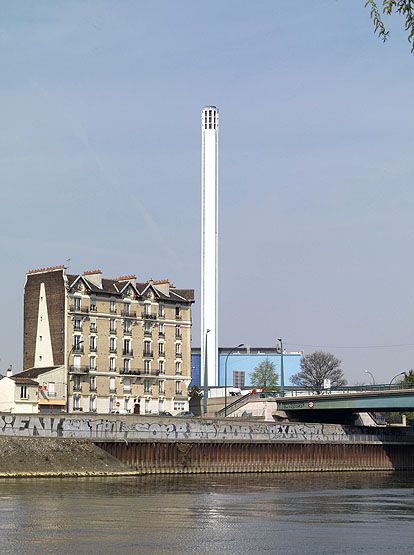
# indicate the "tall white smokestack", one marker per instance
pixel 209 243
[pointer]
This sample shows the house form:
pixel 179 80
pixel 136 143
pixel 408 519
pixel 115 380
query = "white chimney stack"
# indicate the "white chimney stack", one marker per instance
pixel 209 244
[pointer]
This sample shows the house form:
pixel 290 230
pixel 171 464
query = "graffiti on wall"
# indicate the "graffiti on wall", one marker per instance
pixel 141 429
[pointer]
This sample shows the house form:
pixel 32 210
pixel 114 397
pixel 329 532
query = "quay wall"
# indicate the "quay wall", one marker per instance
pixel 142 445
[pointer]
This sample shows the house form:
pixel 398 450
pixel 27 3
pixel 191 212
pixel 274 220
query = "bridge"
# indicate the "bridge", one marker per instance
pixel 309 405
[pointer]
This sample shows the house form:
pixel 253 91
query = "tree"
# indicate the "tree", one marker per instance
pixel 390 7
pixel 264 376
pixel 408 379
pixel 195 392
pixel 316 367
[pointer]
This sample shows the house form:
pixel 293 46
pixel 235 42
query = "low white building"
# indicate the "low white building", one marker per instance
pixel 18 395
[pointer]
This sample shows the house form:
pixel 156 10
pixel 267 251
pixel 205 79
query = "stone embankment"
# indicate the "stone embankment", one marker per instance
pixel 46 457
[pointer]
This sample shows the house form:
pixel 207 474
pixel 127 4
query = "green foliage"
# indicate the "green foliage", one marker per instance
pixel 389 7
pixel 408 378
pixel 195 392
pixel 264 376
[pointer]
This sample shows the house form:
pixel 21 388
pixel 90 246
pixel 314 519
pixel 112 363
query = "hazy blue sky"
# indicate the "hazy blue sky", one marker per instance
pixel 100 163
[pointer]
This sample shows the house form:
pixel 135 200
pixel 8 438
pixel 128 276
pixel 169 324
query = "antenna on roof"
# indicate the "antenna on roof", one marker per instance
pixel 68 261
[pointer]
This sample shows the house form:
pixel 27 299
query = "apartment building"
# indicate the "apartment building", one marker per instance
pixel 125 345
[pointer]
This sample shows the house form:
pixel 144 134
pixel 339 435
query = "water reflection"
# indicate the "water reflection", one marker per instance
pixel 243 513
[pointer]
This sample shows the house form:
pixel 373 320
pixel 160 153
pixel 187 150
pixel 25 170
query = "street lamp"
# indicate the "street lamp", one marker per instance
pixel 372 377
pixel 225 377
pixel 67 373
pixel 282 370
pixel 205 389
pixel 396 376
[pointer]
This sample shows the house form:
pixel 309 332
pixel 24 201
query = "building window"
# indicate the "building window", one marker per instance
pixel 77 324
pixel 77 386
pixel 127 365
pixel 178 313
pixel 92 343
pixel 127 347
pixel 112 325
pixel 92 307
pixel 147 386
pixel 178 388
pixel 161 311
pixel 178 348
pixel 51 390
pixel 112 307
pixel 179 405
pixel 147 309
pixel 161 366
pixel 178 367
pixel 112 364
pixel 77 343
pixel 92 383
pixel 127 385
pixel 147 348
pixel 178 332
pixel 161 405
pixel 24 394
pixel 147 406
pixel 76 402
pixel 126 403
pixel 93 328
pixel 92 404
pixel 92 363
pixel 161 387
pixel 161 350
pixel 111 404
pixel 77 301
pixel 112 385
pixel 147 328
pixel 112 345
pixel 238 379
pixel 127 309
pixel 76 361
pixel 161 330
pixel 147 366
pixel 127 326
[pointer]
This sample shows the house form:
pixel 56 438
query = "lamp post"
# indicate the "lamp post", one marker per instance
pixel 282 370
pixel 396 376
pixel 372 377
pixel 67 373
pixel 225 377
pixel 205 388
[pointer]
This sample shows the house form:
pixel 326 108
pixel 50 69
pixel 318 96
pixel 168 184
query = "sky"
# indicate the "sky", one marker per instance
pixel 100 164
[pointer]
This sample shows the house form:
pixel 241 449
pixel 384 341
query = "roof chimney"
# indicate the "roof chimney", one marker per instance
pixel 163 285
pixel 124 279
pixel 9 372
pixel 95 277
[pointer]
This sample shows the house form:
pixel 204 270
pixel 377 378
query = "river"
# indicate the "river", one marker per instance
pixel 215 514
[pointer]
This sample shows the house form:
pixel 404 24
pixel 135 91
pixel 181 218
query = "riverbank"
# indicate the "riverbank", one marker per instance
pixel 48 457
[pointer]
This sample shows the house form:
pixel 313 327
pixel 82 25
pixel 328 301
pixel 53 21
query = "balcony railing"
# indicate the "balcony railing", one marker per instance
pixel 93 329
pixel 128 332
pixel 78 369
pixel 112 350
pixel 112 331
pixel 77 327
pixel 148 333
pixel 128 352
pixel 159 372
pixel 128 314
pixel 179 392
pixel 112 390
pixel 93 348
pixel 149 316
pixel 92 388
pixel 113 310
pixel 93 308
pixel 148 354
pixel 130 371
pixel 178 317
pixel 161 334
pixel 178 336
pixel 148 391
pixel 77 349
pixel 161 314
pixel 178 355
pixel 77 387
pixel 75 308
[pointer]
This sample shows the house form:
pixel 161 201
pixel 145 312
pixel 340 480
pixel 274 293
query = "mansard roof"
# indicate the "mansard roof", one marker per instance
pixel 116 288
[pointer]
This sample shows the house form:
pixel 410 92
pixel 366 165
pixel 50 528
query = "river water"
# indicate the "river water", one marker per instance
pixel 215 514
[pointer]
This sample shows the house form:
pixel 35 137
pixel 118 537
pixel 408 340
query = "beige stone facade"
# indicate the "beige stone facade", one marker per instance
pixel 126 345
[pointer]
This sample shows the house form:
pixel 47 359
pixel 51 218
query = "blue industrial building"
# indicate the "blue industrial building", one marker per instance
pixel 241 364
